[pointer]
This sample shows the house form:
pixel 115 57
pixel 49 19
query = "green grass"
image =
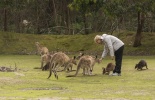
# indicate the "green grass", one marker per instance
pixel 30 83
pixel 15 43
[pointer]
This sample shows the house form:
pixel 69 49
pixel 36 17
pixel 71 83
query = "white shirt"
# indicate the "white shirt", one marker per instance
pixel 111 43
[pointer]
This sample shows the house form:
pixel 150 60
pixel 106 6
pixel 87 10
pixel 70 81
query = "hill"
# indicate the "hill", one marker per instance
pixel 15 43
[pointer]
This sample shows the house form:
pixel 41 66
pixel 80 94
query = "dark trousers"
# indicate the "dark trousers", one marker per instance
pixel 118 59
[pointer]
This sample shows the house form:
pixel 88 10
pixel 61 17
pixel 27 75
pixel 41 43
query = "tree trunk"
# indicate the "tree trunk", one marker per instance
pixel 85 24
pixel 137 41
pixel 37 17
pixel 5 19
pixel 67 16
pixel 68 21
pixel 17 21
pixel 55 13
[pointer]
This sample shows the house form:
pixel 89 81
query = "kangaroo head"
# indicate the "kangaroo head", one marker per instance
pixel 73 60
pixel 97 60
pixel 79 56
pixel 103 70
pixel 136 66
pixel 37 43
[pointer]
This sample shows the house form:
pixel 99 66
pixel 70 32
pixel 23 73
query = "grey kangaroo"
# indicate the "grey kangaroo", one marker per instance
pixel 87 63
pixel 41 50
pixel 58 60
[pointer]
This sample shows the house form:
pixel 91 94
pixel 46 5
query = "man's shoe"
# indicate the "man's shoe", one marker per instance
pixel 115 74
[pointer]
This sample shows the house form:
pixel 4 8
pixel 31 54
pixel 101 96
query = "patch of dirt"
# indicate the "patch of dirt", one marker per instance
pixel 9 80
pixel 19 74
pixel 139 93
pixel 52 88
pixel 5 79
pixel 54 98
pixel 12 98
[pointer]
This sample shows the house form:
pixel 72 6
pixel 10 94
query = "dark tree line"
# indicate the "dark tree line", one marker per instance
pixel 77 16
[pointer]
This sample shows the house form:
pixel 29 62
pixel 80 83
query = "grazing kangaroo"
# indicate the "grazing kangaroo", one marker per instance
pixel 110 67
pixel 141 64
pixel 86 62
pixel 41 50
pixel 58 60
pixel 46 66
pixel 45 59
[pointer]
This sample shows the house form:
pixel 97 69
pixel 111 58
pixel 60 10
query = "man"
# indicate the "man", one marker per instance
pixel 115 47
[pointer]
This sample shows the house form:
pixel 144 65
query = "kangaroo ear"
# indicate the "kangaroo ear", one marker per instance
pixel 96 56
pixel 74 57
pixel 82 54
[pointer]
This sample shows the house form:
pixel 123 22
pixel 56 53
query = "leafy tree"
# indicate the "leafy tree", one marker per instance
pixel 85 7
pixel 75 16
pixel 117 9
pixel 141 7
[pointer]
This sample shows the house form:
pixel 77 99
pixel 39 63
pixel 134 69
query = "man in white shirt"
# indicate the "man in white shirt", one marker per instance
pixel 115 47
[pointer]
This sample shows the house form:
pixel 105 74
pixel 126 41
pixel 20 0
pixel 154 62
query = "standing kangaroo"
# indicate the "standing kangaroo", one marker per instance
pixel 45 60
pixel 87 63
pixel 58 60
pixel 110 67
pixel 41 50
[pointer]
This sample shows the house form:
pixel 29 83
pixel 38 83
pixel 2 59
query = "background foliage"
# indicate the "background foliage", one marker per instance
pixel 74 16
pixel 71 17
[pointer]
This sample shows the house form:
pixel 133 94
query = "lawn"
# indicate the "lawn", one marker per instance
pixel 32 84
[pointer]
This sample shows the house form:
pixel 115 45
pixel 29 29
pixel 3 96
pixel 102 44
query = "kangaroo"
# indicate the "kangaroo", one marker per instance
pixel 46 66
pixel 80 55
pixel 45 59
pixel 58 60
pixel 87 63
pixel 70 65
pixel 141 64
pixel 41 50
pixel 110 67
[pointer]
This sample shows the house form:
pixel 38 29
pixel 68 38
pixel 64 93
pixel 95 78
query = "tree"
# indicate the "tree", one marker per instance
pixel 141 7
pixel 85 8
pixel 78 16
pixel 117 8
pixel 5 19
pixel 4 5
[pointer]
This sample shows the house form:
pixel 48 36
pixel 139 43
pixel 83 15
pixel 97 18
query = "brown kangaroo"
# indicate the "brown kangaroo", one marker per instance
pixel 110 67
pixel 41 50
pixel 87 63
pixel 58 60
pixel 45 60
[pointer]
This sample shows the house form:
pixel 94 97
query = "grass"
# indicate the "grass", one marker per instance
pixel 30 83
pixel 15 43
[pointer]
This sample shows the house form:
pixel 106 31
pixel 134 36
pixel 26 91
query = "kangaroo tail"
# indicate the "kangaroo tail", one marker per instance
pixel 51 66
pixel 78 68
